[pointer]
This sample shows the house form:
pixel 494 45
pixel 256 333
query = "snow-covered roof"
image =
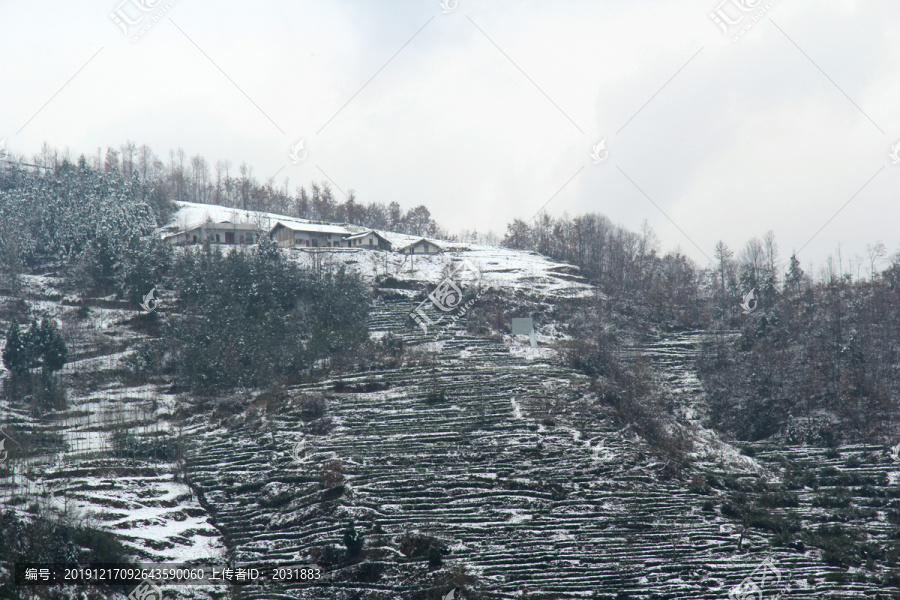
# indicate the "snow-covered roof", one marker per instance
pixel 223 226
pixel 312 227
pixel 363 234
pixel 419 241
pixel 228 225
pixel 192 214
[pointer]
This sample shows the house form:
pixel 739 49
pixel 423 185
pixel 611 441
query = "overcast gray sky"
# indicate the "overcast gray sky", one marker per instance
pixel 485 110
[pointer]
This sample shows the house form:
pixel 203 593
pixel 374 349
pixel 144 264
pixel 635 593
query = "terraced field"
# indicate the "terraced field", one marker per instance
pixel 472 447
pixel 73 467
pixel 530 509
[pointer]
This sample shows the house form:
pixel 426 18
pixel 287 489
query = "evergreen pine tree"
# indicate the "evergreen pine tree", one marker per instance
pixel 353 541
pixel 53 348
pixel 794 276
pixel 268 249
pixel 31 346
pixel 14 353
pixel 435 560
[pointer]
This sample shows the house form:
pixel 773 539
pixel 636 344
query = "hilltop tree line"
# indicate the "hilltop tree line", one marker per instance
pixel 93 226
pixel 626 266
pixel 819 363
pixel 816 360
pixel 813 359
pixel 192 179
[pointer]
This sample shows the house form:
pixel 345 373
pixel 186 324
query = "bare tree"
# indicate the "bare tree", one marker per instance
pixel 876 254
pixel 128 152
pixel 199 178
pixel 725 275
pixel 145 159
pixel 752 260
pixel 111 163
pixel 770 248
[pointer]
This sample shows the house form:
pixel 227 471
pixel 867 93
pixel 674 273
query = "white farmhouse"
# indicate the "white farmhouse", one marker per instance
pixel 309 235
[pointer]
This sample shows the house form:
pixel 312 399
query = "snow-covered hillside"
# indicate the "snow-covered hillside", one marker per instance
pixel 475 446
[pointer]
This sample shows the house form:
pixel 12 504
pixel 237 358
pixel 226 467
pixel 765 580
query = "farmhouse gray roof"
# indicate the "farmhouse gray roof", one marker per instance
pixel 228 225
pixel 418 241
pixel 365 233
pixel 221 226
pixel 312 227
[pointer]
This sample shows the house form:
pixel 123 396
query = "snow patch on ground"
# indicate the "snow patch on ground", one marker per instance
pixel 517 409
pixel 708 447
pixel 519 346
pixel 517 516
pixel 600 453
